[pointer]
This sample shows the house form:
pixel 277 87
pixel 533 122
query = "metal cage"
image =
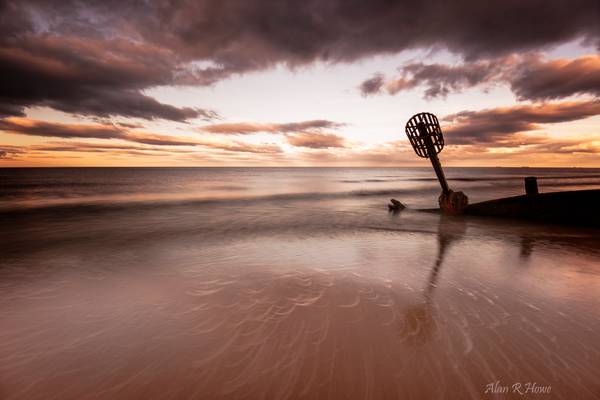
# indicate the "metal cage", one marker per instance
pixel 421 126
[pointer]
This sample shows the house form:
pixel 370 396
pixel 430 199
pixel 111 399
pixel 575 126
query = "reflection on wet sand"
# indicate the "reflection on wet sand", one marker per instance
pixel 527 245
pixel 422 308
pixel 419 322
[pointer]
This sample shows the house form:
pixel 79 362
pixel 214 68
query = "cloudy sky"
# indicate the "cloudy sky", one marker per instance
pixel 297 83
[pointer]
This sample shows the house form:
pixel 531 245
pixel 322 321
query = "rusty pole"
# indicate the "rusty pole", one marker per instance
pixel 435 162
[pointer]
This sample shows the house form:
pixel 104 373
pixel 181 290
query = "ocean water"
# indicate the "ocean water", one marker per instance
pixel 42 187
pixel 285 283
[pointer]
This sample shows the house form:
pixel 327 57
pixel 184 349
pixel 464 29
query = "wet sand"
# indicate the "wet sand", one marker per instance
pixel 336 300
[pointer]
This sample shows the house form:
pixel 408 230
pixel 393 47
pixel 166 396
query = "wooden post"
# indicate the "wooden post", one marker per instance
pixel 435 162
pixel 531 187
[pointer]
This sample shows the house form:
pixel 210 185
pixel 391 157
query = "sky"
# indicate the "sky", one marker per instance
pixel 288 83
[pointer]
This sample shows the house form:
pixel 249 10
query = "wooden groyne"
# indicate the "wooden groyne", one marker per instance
pixel 579 207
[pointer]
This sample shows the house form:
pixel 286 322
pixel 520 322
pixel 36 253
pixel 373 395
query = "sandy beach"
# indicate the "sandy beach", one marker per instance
pixel 292 298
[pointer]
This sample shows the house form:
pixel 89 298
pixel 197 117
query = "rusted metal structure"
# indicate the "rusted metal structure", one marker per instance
pixel 425 136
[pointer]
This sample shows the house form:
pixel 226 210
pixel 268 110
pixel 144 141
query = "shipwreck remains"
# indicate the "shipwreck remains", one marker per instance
pixel 578 207
pixel 425 136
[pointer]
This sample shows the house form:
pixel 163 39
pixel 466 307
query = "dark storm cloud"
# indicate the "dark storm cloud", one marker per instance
pixel 530 77
pixel 372 85
pixel 87 76
pixel 97 57
pixel 246 128
pixel 7 110
pixel 252 34
pixel 500 125
pixel 539 80
pixel 438 79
